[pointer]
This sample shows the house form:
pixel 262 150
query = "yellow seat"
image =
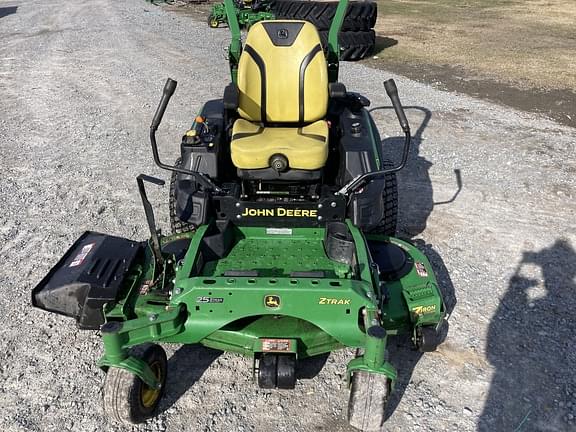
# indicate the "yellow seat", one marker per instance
pixel 282 97
pixel 305 147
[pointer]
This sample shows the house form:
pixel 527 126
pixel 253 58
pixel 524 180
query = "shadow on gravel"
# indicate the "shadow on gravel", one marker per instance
pixel 416 202
pixel 383 42
pixel 530 344
pixel 416 197
pixel 185 367
pixel 309 367
pixel 402 355
pixel 189 362
pixel 8 10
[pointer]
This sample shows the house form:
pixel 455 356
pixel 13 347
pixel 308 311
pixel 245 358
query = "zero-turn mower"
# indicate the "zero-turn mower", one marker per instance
pixel 283 214
pixel 247 13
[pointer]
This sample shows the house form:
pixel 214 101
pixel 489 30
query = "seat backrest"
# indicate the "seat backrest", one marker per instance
pixel 282 74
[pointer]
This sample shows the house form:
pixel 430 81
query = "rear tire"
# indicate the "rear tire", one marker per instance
pixel 360 16
pixel 178 226
pixel 127 399
pixel 389 221
pixel 369 395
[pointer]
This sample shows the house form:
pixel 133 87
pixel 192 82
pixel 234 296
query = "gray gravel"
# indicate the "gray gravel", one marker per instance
pixel 78 85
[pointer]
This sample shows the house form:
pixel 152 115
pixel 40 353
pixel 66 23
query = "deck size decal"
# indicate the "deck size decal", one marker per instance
pixel 279 212
pixel 333 301
pixel 79 259
pixel 204 299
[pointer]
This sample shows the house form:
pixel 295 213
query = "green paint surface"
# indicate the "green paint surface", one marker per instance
pixel 277 257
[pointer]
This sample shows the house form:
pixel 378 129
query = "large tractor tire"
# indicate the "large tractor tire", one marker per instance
pixel 361 15
pixel 354 45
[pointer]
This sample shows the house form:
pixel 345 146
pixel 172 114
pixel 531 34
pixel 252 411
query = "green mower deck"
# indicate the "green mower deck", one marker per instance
pixel 257 292
pixel 222 306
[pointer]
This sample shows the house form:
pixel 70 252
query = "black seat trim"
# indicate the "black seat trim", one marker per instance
pixel 312 136
pixel 303 66
pixel 247 134
pixel 283 33
pixel 261 130
pixel 262 67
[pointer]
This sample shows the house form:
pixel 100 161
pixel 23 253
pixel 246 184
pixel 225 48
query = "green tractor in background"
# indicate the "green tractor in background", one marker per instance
pixel 247 13
pixel 283 214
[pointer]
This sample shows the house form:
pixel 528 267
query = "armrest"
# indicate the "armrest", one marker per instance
pixel 231 94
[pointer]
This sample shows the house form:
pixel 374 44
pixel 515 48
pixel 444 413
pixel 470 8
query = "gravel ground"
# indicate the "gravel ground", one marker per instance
pixel 78 85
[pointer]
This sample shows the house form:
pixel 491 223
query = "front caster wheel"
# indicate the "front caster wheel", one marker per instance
pixel 369 394
pixel 267 368
pixel 277 371
pixel 127 399
pixel 286 373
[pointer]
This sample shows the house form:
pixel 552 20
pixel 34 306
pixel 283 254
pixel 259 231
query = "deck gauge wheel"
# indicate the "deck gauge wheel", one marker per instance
pixel 427 339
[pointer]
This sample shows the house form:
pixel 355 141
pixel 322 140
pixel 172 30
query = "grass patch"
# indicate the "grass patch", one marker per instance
pixel 527 43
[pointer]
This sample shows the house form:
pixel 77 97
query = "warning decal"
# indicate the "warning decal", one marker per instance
pixel 79 259
pixel 421 269
pixel 276 345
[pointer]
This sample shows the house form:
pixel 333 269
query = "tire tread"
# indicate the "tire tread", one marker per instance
pixel 369 394
pixel 177 226
pixel 121 390
pixel 361 16
pixel 389 221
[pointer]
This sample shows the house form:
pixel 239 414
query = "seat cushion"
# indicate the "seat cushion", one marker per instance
pixel 305 147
